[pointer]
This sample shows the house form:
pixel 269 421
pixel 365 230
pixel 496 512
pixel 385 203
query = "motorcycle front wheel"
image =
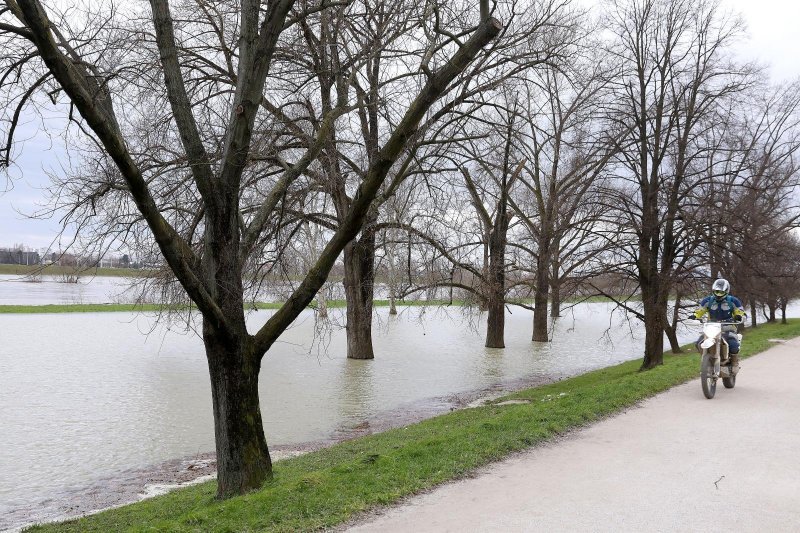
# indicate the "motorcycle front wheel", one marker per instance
pixel 707 379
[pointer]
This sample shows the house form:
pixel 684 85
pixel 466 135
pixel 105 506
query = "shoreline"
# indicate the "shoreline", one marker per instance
pixel 141 483
pixel 111 307
pixel 417 457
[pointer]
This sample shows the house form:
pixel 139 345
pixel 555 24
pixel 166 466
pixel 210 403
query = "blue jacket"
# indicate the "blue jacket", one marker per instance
pixel 723 311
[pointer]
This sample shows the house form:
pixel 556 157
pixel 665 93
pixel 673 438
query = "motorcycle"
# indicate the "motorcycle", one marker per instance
pixel 714 361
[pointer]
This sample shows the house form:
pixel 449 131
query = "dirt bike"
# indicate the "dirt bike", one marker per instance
pixel 714 361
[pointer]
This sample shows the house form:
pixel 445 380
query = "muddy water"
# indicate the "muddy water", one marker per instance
pixel 84 397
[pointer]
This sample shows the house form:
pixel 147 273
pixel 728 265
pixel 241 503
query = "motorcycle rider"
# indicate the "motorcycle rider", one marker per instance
pixel 721 306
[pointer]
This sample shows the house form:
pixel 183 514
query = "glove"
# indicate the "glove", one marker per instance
pixel 738 318
pixel 691 316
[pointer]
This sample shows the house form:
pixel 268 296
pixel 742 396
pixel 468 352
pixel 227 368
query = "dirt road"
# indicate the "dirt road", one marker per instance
pixel 678 462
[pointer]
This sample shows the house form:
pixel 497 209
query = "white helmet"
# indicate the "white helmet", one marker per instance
pixel 721 288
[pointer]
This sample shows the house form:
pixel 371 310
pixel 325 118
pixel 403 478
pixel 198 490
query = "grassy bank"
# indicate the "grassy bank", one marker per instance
pixel 56 270
pixel 111 308
pixel 98 308
pixel 330 486
pixel 77 308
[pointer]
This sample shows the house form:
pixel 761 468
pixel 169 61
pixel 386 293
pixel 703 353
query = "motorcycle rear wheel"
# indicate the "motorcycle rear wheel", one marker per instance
pixel 729 382
pixel 707 379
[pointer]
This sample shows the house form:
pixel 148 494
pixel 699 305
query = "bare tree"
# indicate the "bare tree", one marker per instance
pixel 499 172
pixel 567 141
pixel 754 197
pixel 532 35
pixel 675 71
pixel 99 73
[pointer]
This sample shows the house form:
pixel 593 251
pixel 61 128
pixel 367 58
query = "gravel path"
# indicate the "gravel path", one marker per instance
pixel 678 462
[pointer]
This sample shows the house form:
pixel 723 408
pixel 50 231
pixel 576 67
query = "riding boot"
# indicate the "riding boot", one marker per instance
pixel 734 363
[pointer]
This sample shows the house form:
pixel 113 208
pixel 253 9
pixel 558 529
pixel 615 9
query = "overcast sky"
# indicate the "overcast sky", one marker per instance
pixel 774 39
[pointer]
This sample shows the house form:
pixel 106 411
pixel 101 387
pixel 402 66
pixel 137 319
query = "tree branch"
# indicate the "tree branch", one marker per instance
pixel 179 101
pixel 383 162
pixel 81 91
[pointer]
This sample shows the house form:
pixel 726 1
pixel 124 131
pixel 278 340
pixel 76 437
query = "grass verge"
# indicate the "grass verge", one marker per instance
pixel 328 487
pixel 111 308
pixel 99 308
pixel 57 270
pixel 77 308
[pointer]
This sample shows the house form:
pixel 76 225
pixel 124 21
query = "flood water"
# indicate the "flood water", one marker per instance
pixel 85 396
pixel 22 290
pixel 18 290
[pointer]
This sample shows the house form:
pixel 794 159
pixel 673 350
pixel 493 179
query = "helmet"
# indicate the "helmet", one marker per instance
pixel 721 288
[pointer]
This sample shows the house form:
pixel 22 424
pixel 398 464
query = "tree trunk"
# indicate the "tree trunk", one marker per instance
pixel 555 300
pixel 772 308
pixel 243 461
pixel 555 284
pixel 322 305
pixel 495 324
pixel 393 276
pixel 540 333
pixel 784 304
pixel 671 328
pixel 653 339
pixel 672 336
pixel 654 319
pixel 543 265
pixel 753 314
pixel 495 306
pixel 359 286
pixel 496 279
pixel 392 292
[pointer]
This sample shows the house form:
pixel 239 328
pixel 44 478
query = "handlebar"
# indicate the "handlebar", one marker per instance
pixel 704 321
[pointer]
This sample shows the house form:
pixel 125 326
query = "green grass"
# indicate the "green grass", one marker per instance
pixel 56 270
pixel 77 308
pixel 328 487
pixel 104 308
pixel 110 308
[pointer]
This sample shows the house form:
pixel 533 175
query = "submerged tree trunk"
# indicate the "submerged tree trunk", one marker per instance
pixel 392 280
pixel 322 305
pixel 555 300
pixel 243 461
pixel 543 265
pixel 540 295
pixel 359 287
pixel 496 304
pixel 496 323
pixel 555 283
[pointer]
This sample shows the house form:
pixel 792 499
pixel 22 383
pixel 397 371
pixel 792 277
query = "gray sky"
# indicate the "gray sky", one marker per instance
pixel 40 153
pixel 772 26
